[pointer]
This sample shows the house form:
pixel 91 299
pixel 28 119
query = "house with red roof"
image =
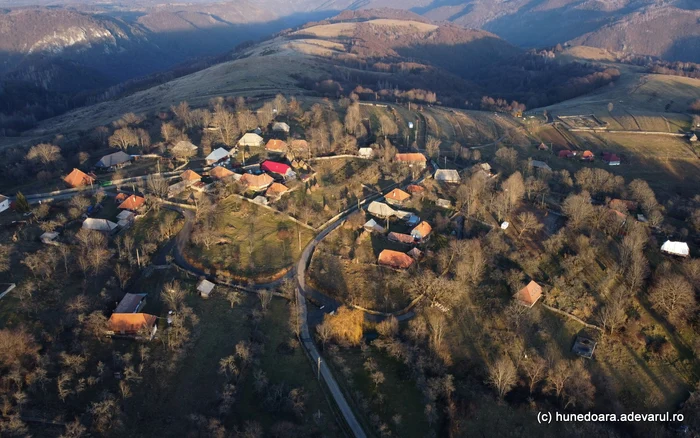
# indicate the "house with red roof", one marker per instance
pixel 611 159
pixel 529 295
pixel 281 169
pixel 132 203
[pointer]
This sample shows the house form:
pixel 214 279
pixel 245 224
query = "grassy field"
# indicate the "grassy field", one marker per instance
pixel 254 240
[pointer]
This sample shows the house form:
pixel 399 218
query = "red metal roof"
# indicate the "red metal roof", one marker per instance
pixel 274 167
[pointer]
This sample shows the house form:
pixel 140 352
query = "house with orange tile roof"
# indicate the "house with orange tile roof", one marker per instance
pixel 132 203
pixel 132 325
pixel 276 190
pixel 397 197
pixel 257 182
pixel 190 176
pixel 278 146
pixel 413 158
pixel 78 178
pixel 220 172
pixel 395 259
pixel 529 295
pixel 422 231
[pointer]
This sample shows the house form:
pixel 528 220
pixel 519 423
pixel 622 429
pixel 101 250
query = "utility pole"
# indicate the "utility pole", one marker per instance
pixel 318 369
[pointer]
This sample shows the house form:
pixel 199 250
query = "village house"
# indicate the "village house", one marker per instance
pixel 276 190
pixel 411 219
pixel 256 182
pixel 205 288
pixel 566 154
pixel 280 169
pixel 132 203
pixel 101 225
pixel 276 146
pixel 394 259
pixel 78 178
pixel 587 156
pixel 114 161
pixel 190 177
pixel 251 139
pixel 177 188
pixel 448 176
pixel 584 347
pixel 611 159
pixel 183 149
pixel 4 203
pixel 131 303
pixel 529 295
pixel 121 197
pixel 217 155
pixel 401 238
pixel 132 325
pixel 365 152
pixel 373 227
pixel 412 159
pixel 299 147
pixel 421 232
pixel 540 165
pixel 280 127
pixel 220 172
pixel 380 210
pixel 443 203
pixel 679 249
pixel 397 197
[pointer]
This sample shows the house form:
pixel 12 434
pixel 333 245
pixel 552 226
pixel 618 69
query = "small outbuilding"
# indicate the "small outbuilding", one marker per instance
pixel 49 238
pixel 529 295
pixel 416 253
pixel 365 152
pixel 406 239
pixel 4 203
pixel 125 218
pixel 443 203
pixel 261 200
pixel 611 159
pixel 537 164
pixel 373 227
pixel 584 347
pixel 205 288
pixel 131 303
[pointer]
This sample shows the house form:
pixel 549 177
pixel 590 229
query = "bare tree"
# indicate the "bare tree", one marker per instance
pixel 265 297
pixel 324 332
pixel 432 147
pixel 503 375
pixel 674 296
pixel 173 295
pixel 578 209
pixel 528 223
pixel 535 369
pixel 157 185
pixel 45 154
pixel 234 297
pixel 123 138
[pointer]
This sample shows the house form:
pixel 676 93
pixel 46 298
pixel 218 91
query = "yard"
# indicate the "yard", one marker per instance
pixel 252 242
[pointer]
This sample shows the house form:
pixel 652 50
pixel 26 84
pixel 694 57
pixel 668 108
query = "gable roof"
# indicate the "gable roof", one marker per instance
pixel 276 189
pixel 130 322
pixel 130 303
pixel 125 215
pixel 380 209
pixel 410 158
pixel 250 138
pixel 587 155
pixel 99 224
pixel 184 146
pixel 529 294
pixel 133 202
pixel 676 248
pixel 401 238
pixel 78 178
pixel 114 159
pixel 276 145
pixel 395 259
pixel 220 172
pixel 422 230
pixel 415 253
pixel 397 195
pixel 275 167
pixel 372 224
pixel 205 287
pixel 121 197
pixel 413 188
pixel 190 175
pixel 218 155
pixel 448 175
pixel 280 126
pixel 257 181
pixel 540 165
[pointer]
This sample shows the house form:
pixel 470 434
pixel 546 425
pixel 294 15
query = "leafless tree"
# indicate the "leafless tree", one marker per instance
pixel 157 185
pixel 45 154
pixel 528 223
pixel 674 296
pixel 432 147
pixel 265 297
pixel 173 295
pixel 123 138
pixel 234 297
pixel 578 209
pixel 503 375
pixel 535 369
pixel 226 125
pixel 183 114
pixel 353 119
pixel 507 158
